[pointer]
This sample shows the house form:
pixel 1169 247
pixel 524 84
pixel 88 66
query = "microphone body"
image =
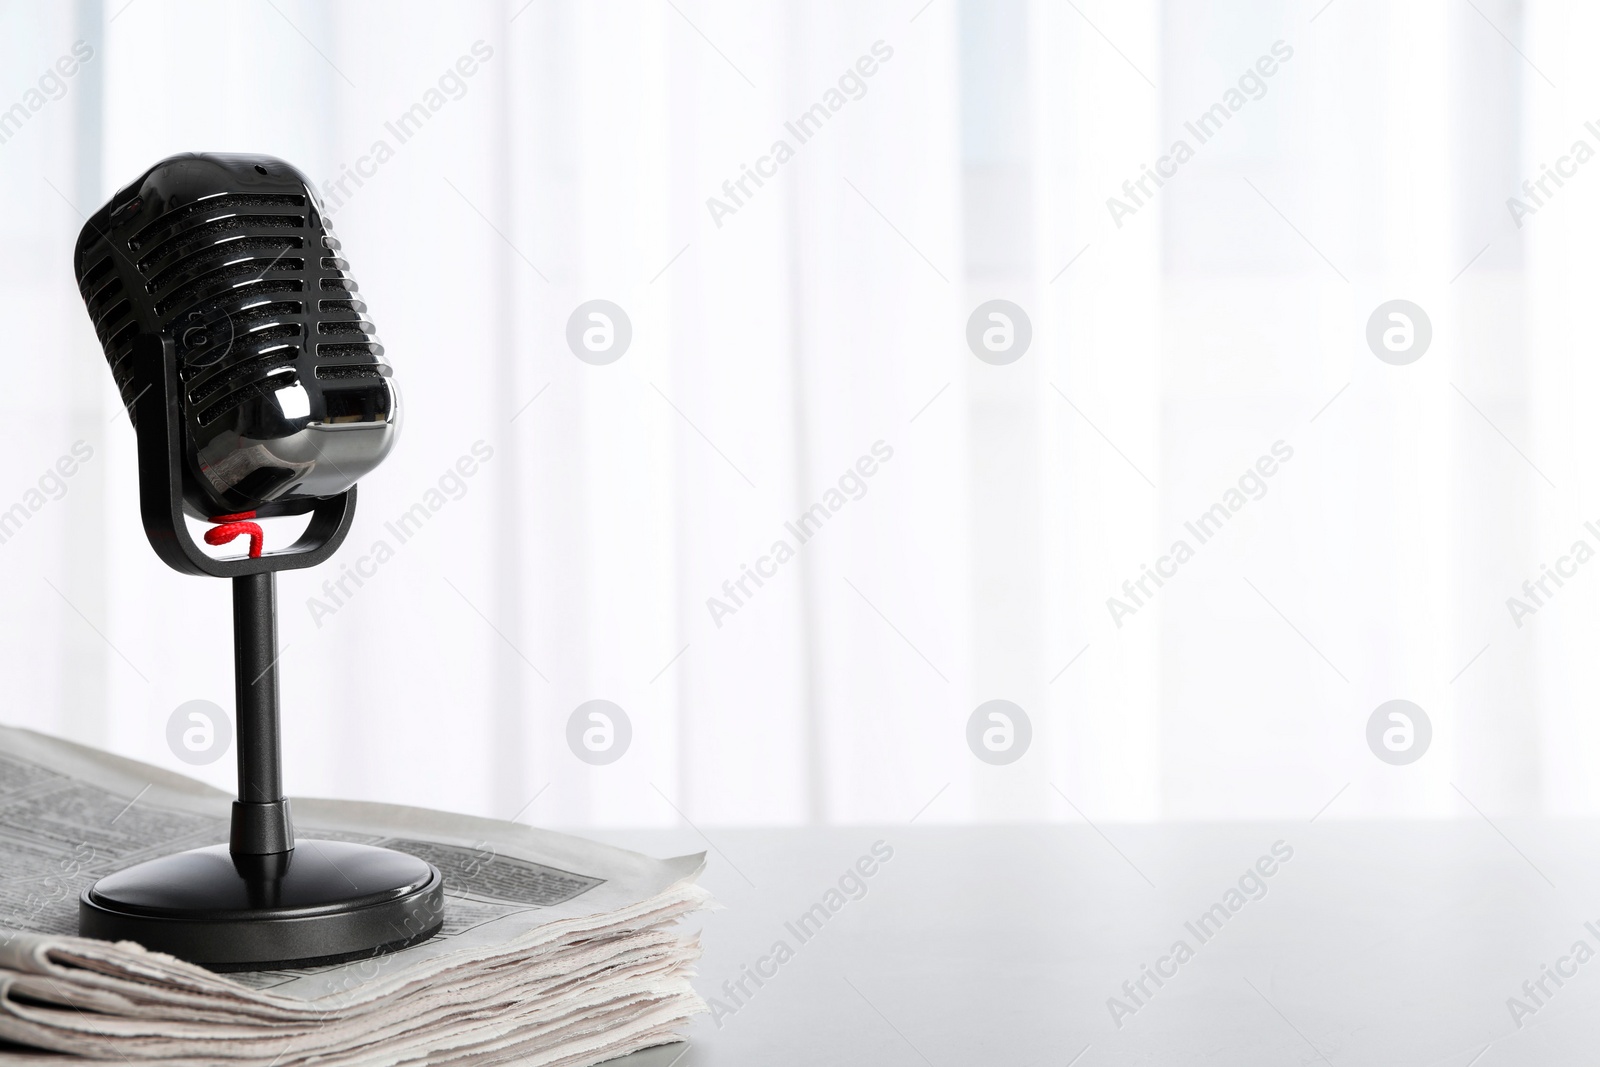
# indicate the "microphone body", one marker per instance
pixel 285 395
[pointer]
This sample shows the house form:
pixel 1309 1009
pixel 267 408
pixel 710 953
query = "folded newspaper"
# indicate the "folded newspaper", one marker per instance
pixel 555 950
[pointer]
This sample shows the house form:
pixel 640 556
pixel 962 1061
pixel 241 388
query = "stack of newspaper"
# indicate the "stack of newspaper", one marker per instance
pixel 554 951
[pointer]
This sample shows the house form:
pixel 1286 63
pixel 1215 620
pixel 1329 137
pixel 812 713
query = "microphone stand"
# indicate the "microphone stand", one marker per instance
pixel 263 900
pixel 262 825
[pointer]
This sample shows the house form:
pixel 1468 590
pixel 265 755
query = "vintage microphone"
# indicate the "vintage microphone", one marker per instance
pixel 258 389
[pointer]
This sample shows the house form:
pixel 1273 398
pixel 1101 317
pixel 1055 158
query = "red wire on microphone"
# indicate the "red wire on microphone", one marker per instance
pixel 232 526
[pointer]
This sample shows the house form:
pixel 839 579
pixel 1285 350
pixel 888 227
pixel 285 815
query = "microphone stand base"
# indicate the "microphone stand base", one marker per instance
pixel 322 902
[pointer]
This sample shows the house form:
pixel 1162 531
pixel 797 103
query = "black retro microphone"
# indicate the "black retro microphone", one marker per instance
pixel 285 394
pixel 257 388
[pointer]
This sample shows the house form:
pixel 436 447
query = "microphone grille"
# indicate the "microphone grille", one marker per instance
pixel 237 264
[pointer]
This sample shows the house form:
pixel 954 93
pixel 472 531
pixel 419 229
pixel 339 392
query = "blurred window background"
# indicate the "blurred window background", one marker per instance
pixel 490 167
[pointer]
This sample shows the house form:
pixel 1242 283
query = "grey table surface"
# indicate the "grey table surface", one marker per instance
pixel 1375 943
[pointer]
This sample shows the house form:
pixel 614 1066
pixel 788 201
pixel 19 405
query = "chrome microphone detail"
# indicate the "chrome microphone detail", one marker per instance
pixel 286 395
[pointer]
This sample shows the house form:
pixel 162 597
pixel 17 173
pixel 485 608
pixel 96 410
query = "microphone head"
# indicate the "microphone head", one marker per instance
pixel 286 396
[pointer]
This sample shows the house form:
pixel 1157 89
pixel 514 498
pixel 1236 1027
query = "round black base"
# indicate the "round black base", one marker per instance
pixel 322 902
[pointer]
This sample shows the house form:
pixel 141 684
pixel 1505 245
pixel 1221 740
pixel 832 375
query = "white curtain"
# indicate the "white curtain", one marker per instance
pixel 818 316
